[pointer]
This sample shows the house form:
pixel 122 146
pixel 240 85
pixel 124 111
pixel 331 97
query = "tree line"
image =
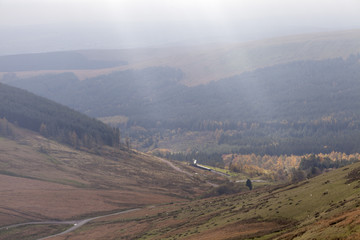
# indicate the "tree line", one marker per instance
pixel 53 120
pixel 272 167
pixel 294 108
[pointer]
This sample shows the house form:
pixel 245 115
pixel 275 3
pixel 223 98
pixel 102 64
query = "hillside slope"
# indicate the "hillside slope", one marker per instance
pixel 323 207
pixel 205 63
pixel 42 180
pixel 302 90
pixel 45 180
pixel 52 61
pixel 293 108
pixel 52 119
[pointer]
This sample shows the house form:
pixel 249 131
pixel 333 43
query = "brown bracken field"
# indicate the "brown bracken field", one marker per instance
pixel 42 180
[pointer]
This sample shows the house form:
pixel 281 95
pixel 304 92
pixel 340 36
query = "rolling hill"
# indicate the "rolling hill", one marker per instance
pixel 42 180
pixel 296 94
pixel 293 108
pixel 52 119
pixel 200 64
pixel 60 169
pixel 323 207
pixel 52 61
pixel 46 180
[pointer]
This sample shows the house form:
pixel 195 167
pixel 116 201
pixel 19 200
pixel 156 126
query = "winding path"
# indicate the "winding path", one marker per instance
pixel 76 224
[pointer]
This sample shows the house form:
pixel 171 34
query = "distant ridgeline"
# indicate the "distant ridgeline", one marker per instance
pixel 294 108
pixel 52 61
pixel 296 91
pixel 52 119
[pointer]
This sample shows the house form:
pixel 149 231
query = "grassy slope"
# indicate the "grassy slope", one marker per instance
pixel 216 62
pixel 202 64
pixel 319 208
pixel 42 179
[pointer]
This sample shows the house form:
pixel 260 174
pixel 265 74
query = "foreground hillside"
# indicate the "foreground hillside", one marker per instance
pixel 324 207
pixel 42 180
pixel 59 165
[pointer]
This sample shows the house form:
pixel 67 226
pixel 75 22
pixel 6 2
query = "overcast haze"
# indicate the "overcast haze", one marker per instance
pixel 53 25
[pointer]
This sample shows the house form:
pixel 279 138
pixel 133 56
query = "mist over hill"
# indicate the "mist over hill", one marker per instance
pixel 52 61
pixel 295 94
pixel 200 63
pixel 220 119
pixel 296 91
pixel 316 99
pixel 107 35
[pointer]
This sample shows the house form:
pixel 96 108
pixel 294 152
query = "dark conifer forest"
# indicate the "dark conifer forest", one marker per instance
pixel 53 120
pixel 294 108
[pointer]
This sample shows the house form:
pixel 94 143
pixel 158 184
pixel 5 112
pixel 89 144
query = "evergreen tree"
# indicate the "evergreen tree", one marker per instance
pixel 249 184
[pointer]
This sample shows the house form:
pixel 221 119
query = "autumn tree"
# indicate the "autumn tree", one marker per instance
pixel 297 175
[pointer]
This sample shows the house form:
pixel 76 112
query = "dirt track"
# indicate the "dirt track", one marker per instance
pixel 76 224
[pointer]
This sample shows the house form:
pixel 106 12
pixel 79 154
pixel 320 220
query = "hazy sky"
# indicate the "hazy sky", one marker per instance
pixel 20 12
pixel 130 22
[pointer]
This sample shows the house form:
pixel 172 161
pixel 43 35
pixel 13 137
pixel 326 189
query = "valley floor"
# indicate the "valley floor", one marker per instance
pixel 41 180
